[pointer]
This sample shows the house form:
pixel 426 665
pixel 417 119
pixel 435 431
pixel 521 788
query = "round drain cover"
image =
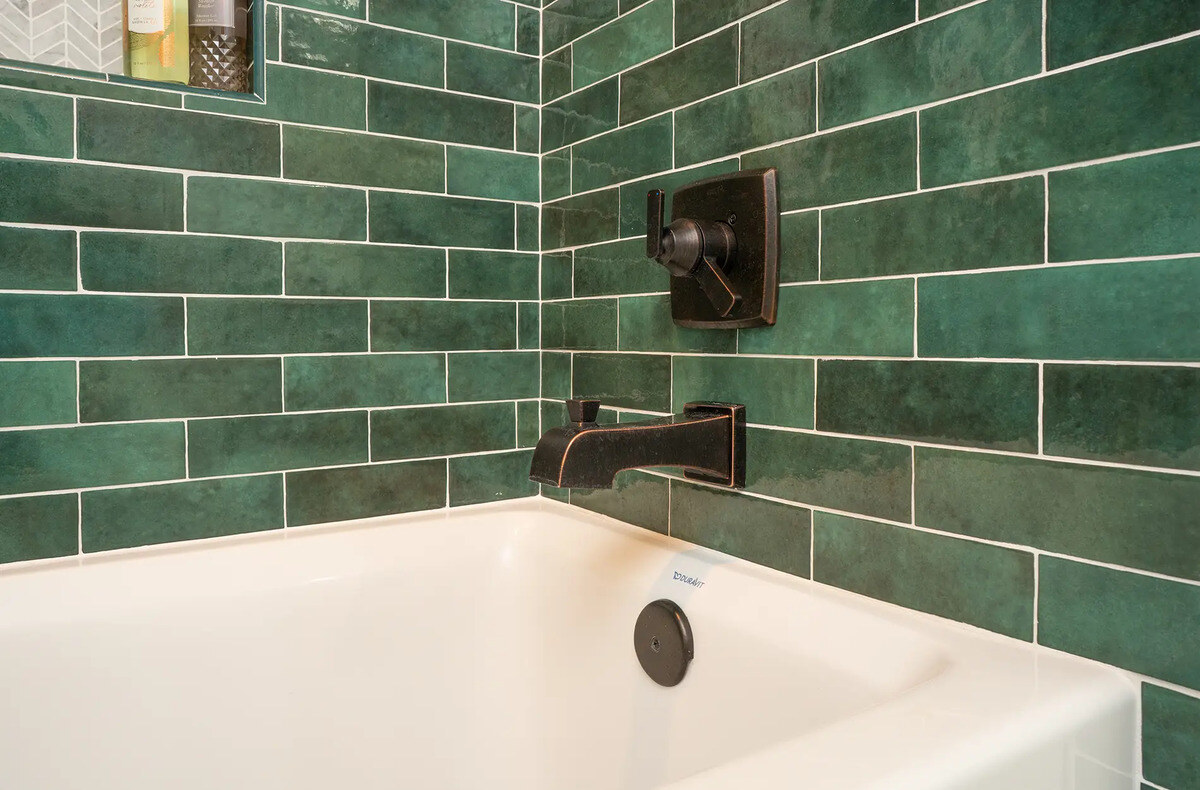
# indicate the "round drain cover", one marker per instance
pixel 662 640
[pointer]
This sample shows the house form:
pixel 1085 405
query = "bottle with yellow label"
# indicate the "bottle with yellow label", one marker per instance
pixel 156 40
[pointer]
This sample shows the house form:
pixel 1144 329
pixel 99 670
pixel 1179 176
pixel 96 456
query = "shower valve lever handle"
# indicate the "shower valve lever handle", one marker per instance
pixel 693 248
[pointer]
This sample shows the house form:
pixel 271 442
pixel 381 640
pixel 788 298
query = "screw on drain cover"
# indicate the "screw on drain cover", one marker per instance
pixel 662 639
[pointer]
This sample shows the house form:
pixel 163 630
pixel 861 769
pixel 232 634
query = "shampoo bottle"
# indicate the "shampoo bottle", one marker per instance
pixel 218 43
pixel 156 45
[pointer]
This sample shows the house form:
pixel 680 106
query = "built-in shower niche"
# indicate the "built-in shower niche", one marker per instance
pixel 87 38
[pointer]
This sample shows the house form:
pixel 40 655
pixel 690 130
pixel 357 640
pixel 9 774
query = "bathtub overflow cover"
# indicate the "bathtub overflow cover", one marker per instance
pixel 662 639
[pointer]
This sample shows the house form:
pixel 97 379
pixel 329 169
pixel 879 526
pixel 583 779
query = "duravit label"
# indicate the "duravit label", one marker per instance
pixel 689 580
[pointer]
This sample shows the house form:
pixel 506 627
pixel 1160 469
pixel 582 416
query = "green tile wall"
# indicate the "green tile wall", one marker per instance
pixel 987 331
pixel 982 389
pixel 202 295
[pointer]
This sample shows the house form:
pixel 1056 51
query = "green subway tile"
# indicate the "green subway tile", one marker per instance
pixel 774 391
pixel 873 319
pixel 158 263
pixel 1132 103
pixel 488 72
pixel 487 22
pixel 237 445
pixel 801 30
pixel 274 208
pixel 529 129
pixel 358 48
pixel 583 114
pixel 1081 29
pixel 556 75
pixel 133 134
pixel 1136 207
pixel 442 221
pixel 34 528
pixel 556 175
pixel 981 46
pixel 566 20
pixel 986 586
pixel 694 18
pixel 1170 736
pixel 632 381
pixel 64 193
pixel 90 326
pixel 436 115
pixel 493 174
pixel 589 325
pixel 965 403
pixel 1140 623
pixel 623 154
pixel 974 227
pixel 367 380
pixel 765 112
pixel 351 8
pixel 687 73
pixel 362 159
pixel 273 16
pixel 528 235
pixel 487 478
pixel 799 246
pixel 556 275
pixel 1135 415
pixel 86 86
pixel 556 375
pixel 442 326
pixel 860 162
pixel 529 326
pixel 859 476
pixel 276 326
pixel 493 275
pixel 316 496
pixel 633 38
pixel 618 268
pixel 300 95
pixel 633 196
pixel 1123 516
pixel 37 393
pixel 165 388
pixel 125 517
pixel 497 376
pixel 635 498
pixel 36 124
pixel 584 219
pixel 645 324
pixel 36 259
pixel 322 269
pixel 529 31
pixel 1139 310
pixel 91 455
pixel 768 533
pixel 442 430
pixel 528 423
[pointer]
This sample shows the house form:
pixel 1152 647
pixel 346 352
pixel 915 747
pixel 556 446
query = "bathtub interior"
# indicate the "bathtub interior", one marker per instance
pixel 490 649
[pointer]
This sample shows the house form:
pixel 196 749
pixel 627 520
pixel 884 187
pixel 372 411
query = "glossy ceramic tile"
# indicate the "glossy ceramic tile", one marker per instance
pixel 764 532
pixel 160 263
pixel 488 478
pixel 338 157
pixel 690 72
pixel 442 430
pixel 37 259
pixel 442 326
pixel 363 380
pixel 634 381
pixel 320 495
pixel 774 391
pixel 90 326
pixel 325 269
pixel 342 45
pixel 155 389
pixel 276 326
pixel 34 528
pixel 37 393
pixel 1127 517
pixel 1170 736
pixel 238 445
pixel 126 517
pixel 986 586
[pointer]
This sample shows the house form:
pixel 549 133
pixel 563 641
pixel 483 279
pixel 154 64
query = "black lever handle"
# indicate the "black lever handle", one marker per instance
pixel 583 410
pixel 692 248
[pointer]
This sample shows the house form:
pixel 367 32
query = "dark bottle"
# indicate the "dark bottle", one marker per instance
pixel 218 45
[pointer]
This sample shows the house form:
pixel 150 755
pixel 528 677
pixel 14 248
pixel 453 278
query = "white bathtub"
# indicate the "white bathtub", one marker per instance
pixel 490 648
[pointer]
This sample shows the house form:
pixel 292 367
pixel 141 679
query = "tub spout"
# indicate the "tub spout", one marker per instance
pixel 708 441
